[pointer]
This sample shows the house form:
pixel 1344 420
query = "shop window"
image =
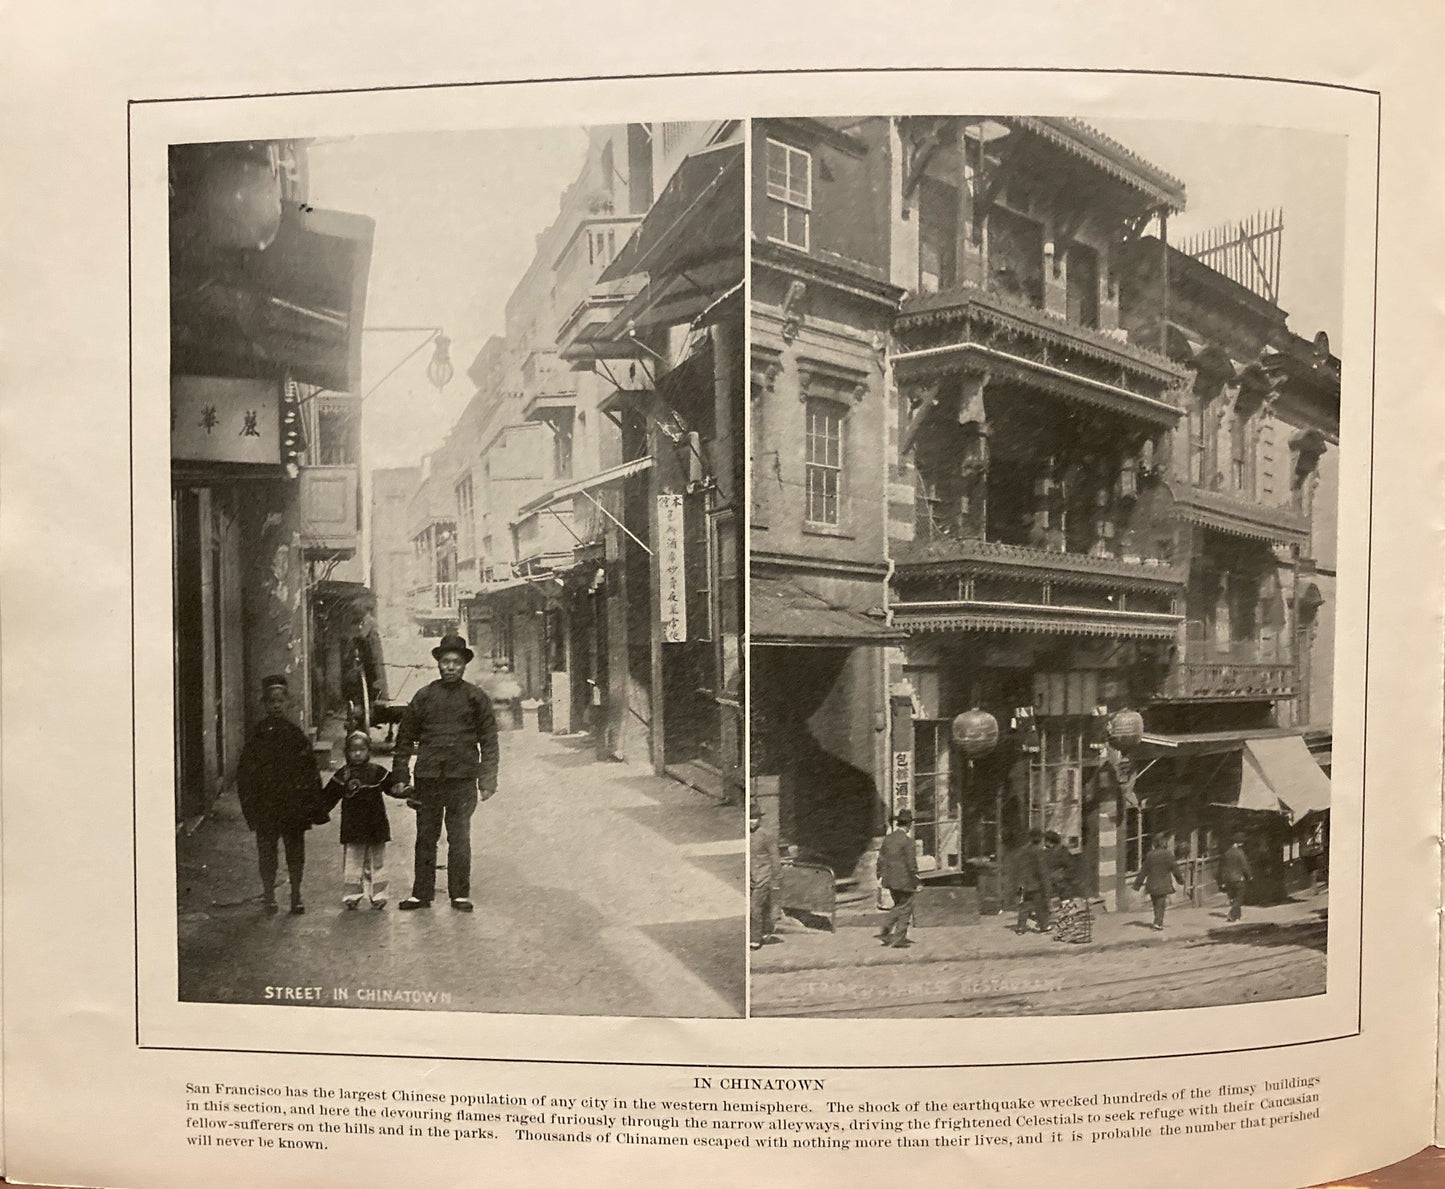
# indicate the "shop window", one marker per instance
pixel 823 460
pixel 787 213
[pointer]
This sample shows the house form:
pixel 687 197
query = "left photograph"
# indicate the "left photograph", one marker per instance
pixel 456 487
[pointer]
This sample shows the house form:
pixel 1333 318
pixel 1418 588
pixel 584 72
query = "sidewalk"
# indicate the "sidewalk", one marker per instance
pixel 855 943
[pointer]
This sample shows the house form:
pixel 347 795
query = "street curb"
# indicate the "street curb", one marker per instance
pixel 1060 950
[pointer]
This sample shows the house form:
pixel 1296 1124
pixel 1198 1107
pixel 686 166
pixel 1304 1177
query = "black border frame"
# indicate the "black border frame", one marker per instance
pixel 741 73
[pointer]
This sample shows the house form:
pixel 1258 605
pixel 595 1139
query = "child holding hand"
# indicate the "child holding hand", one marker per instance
pixel 365 830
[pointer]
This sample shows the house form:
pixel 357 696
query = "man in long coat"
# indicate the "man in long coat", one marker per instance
pixel 450 728
pixel 1158 873
pixel 1234 874
pixel 898 872
pixel 279 787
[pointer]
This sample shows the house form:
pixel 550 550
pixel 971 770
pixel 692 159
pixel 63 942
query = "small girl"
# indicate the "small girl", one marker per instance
pixel 365 830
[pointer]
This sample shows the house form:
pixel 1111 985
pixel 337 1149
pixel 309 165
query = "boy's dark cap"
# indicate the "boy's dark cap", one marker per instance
pixel 273 681
pixel 358 736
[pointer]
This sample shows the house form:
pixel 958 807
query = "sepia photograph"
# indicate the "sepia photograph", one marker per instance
pixel 456 492
pixel 1044 460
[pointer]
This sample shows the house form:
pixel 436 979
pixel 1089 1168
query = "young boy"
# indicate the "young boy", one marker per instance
pixel 278 784
pixel 364 829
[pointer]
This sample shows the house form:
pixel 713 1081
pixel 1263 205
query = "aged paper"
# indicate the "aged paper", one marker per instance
pixel 118 1068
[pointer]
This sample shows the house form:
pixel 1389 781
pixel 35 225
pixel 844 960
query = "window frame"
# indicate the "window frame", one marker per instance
pixel 837 413
pixel 785 195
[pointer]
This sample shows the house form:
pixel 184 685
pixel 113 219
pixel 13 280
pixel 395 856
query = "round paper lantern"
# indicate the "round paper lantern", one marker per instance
pixel 239 201
pixel 975 733
pixel 1126 728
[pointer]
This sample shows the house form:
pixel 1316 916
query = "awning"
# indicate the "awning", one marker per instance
pixel 1203 743
pixel 698 214
pixel 784 613
pixel 296 307
pixel 591 483
pixel 676 298
pixel 1240 518
pixel 1281 776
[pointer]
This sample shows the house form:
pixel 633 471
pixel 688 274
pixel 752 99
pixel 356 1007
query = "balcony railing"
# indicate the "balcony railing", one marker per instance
pixel 1229 681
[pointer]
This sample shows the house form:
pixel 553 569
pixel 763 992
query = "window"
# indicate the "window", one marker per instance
pixel 466 518
pixel 823 459
pixel 790 195
pixel 601 246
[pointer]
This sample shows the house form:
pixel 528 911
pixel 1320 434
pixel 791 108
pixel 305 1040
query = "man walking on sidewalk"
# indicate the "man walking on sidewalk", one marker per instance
pixel 1234 874
pixel 898 872
pixel 1158 873
pixel 450 728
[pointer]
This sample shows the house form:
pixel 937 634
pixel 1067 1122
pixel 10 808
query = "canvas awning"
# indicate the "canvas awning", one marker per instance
pixel 784 613
pixel 1280 775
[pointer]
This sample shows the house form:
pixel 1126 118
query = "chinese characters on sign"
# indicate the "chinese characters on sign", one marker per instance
pixel 222 419
pixel 672 574
pixel 902 780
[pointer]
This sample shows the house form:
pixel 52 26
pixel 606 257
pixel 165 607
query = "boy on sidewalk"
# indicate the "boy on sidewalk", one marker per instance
pixel 277 783
pixel 365 830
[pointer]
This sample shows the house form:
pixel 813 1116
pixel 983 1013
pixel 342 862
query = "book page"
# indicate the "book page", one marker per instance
pixel 686 605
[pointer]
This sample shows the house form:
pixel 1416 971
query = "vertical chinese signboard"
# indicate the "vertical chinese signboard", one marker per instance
pixel 672 574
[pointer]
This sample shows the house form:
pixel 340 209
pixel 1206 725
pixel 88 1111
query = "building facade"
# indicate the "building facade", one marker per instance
pixel 989 406
pixel 267 300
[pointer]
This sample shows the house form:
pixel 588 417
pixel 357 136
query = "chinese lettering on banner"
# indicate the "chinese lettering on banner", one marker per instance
pixel 223 419
pixel 902 780
pixel 672 574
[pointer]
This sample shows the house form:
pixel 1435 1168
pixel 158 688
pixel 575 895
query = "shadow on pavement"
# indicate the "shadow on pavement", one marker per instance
pixel 1302 934
pixel 728 868
pixel 705 823
pixel 713 950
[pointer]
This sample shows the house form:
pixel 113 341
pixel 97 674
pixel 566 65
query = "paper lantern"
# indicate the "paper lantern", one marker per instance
pixel 1126 728
pixel 239 201
pixel 975 733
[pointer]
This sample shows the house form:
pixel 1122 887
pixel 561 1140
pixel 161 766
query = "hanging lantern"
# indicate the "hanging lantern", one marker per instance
pixel 439 371
pixel 1126 728
pixel 239 200
pixel 975 733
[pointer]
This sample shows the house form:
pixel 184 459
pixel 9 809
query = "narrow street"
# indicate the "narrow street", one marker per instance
pixel 600 890
pixel 1200 960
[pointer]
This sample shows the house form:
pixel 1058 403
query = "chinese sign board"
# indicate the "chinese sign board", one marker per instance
pixel 902 780
pixel 672 573
pixel 223 419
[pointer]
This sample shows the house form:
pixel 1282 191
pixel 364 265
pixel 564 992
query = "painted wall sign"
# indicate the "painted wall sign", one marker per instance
pixel 672 574
pixel 222 419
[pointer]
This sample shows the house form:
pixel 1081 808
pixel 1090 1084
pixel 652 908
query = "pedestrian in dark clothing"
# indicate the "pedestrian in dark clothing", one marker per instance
pixel 1234 875
pixel 365 830
pixel 898 872
pixel 1032 870
pixel 1158 874
pixel 1062 866
pixel 764 873
pixel 450 728
pixel 279 787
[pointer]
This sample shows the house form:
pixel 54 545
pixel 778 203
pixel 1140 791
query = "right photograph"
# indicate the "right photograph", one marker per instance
pixel 1044 449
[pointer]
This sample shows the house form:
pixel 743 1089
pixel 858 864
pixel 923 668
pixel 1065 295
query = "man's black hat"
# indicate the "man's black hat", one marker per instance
pixel 453 643
pixel 904 817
